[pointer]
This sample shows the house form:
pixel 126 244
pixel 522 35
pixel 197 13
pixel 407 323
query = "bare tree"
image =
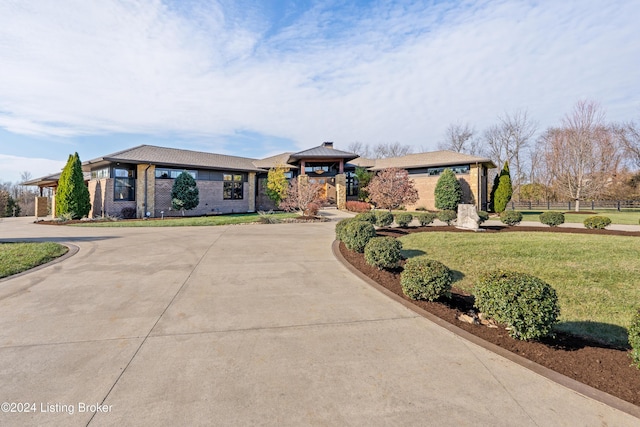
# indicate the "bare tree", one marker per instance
pixel 359 148
pixel 381 150
pixel 391 188
pixel 508 140
pixel 583 154
pixel 459 138
pixel 630 138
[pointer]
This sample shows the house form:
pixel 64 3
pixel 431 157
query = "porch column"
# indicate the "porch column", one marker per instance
pixel 302 164
pixel 341 166
pixel 341 190
pixel 252 191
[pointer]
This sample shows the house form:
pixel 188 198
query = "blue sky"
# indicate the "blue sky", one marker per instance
pixel 256 78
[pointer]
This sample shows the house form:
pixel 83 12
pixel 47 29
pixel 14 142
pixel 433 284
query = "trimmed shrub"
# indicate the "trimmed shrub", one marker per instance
pixel 484 216
pixel 526 304
pixel 597 222
pixel 634 338
pixel 312 209
pixel 448 191
pixel 340 225
pixel 425 218
pixel 128 213
pixel 383 218
pixel 356 235
pixel 552 219
pixel 511 217
pixel 369 217
pixel 447 216
pixel 403 219
pixel 383 252
pixel 424 278
pixel 354 206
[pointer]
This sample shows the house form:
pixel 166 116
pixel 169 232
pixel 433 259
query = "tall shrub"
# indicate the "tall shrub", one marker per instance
pixel 503 191
pixel 448 192
pixel 364 177
pixel 72 196
pixel 277 184
pixel 184 194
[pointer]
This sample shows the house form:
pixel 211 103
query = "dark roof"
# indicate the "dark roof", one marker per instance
pixel 51 180
pixel 163 156
pixel 273 161
pixel 430 159
pixel 324 151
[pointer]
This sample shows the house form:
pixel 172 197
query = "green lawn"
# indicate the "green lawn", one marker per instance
pixel 188 221
pixel 596 277
pixel 18 257
pixel 622 217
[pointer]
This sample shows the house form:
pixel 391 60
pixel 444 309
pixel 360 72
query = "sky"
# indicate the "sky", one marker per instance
pixel 257 78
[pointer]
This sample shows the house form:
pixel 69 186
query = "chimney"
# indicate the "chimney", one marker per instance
pixel 327 144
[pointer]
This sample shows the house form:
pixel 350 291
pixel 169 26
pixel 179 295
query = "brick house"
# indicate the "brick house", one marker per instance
pixel 141 178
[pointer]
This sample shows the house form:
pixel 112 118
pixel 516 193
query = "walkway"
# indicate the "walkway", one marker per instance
pixel 244 325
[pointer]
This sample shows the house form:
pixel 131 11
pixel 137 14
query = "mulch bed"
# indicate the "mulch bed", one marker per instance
pixel 598 365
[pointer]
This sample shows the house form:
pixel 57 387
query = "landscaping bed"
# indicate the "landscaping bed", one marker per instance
pixel 604 367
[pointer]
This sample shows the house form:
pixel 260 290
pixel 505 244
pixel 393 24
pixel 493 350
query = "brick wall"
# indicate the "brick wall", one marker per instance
pixel 210 195
pixel 101 196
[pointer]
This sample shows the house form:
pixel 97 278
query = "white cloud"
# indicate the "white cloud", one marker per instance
pixel 12 167
pixel 390 74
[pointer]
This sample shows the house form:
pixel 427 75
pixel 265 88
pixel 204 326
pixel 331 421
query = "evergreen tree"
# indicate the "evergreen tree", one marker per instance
pixel 11 208
pixel 448 192
pixel 364 178
pixel 184 194
pixel 72 196
pixel 277 184
pixel 503 191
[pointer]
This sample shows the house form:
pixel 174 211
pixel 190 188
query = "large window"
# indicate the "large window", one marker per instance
pixel 232 187
pixel 124 186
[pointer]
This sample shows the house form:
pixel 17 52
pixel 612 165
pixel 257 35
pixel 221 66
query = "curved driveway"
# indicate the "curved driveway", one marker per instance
pixel 244 325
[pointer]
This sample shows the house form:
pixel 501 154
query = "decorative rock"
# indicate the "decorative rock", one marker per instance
pixel 468 217
pixel 468 319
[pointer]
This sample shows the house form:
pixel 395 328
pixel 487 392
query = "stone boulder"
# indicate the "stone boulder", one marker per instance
pixel 468 217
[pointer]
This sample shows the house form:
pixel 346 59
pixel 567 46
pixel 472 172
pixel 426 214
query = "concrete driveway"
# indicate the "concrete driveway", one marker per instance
pixel 243 325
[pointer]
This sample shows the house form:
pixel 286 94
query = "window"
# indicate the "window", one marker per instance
pixel 100 173
pixel 232 187
pixel 165 173
pixel 317 168
pixel 123 173
pixel 288 175
pixel 456 169
pixel 124 189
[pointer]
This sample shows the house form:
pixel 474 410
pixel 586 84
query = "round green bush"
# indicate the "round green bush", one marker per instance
pixel 340 225
pixel 383 218
pixel 426 279
pixel 552 219
pixel 597 222
pixel 511 217
pixel 403 219
pixel 526 304
pixel 447 216
pixel 366 216
pixel 356 235
pixel 484 216
pixel 383 252
pixel 425 218
pixel 634 338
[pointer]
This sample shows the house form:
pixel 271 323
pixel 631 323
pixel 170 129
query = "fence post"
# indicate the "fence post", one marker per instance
pixel 569 205
pixel 592 205
pixel 548 205
pixel 618 205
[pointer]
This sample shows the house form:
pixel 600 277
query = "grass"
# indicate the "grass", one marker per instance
pixel 596 277
pixel 18 257
pixel 622 217
pixel 188 221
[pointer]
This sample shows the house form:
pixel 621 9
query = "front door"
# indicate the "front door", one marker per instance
pixel 321 181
